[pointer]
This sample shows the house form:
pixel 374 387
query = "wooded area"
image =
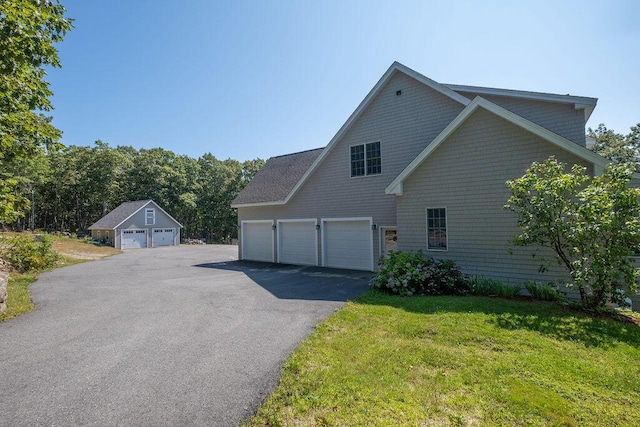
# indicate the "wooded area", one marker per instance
pixel 71 188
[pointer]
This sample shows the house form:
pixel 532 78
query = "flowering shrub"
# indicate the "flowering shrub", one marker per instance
pixel 411 273
pixel 25 254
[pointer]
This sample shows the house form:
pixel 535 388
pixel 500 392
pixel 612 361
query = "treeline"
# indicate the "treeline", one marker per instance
pixel 72 188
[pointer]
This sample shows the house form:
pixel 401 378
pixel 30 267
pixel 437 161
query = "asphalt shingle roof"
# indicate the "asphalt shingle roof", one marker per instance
pixel 276 179
pixel 119 214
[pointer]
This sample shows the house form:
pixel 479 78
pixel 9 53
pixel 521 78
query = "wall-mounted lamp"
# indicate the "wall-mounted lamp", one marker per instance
pixel 374 227
pixel 273 227
pixel 398 92
pixel 317 226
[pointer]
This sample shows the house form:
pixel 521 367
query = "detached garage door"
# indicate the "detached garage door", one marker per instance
pixel 257 240
pixel 298 242
pixel 162 237
pixel 348 243
pixel 133 239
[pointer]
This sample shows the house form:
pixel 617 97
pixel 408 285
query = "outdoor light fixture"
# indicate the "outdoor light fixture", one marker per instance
pixel 317 226
pixel 374 227
pixel 398 92
pixel 273 227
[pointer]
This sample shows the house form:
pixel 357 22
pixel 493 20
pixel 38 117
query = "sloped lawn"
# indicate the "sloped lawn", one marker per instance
pixel 387 360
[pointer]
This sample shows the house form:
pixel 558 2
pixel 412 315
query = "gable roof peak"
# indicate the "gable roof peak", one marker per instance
pixel 438 87
pixel 396 186
pixel 123 212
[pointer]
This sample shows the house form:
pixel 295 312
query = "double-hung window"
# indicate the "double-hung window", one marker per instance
pixel 366 159
pixel 437 229
pixel 149 217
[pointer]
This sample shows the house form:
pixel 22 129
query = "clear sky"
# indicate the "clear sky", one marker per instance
pixel 246 79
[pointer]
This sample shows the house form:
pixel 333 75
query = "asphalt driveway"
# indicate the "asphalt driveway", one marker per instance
pixel 167 336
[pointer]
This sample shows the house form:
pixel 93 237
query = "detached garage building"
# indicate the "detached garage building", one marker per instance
pixel 139 224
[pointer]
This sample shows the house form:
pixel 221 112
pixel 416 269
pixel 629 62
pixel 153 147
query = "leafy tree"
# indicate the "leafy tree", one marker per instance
pixel 620 149
pixel 28 31
pixel 591 224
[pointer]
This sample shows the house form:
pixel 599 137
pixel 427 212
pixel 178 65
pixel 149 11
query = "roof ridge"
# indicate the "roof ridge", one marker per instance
pixel 297 152
pixel 461 88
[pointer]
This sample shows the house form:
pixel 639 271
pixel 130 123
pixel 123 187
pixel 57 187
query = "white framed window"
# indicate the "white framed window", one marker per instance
pixel 437 229
pixel 149 217
pixel 365 159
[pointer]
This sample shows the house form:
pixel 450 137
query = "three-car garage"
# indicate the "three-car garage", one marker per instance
pixel 330 242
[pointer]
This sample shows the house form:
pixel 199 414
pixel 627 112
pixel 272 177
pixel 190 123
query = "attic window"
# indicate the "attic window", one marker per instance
pixel 149 217
pixel 366 159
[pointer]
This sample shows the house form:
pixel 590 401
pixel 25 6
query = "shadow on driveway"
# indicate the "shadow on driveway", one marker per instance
pixel 300 282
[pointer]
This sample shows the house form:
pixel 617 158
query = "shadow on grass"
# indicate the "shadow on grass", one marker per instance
pixel 550 319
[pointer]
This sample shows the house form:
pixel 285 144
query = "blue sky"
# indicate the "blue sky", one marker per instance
pixel 247 79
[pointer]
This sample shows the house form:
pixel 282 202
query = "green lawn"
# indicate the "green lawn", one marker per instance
pixel 386 360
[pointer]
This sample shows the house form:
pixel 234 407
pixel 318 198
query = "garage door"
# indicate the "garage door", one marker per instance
pixel 162 237
pixel 298 242
pixel 257 240
pixel 133 239
pixel 348 243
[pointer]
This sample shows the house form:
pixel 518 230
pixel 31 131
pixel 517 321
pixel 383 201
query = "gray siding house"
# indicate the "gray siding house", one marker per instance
pixel 419 165
pixel 138 224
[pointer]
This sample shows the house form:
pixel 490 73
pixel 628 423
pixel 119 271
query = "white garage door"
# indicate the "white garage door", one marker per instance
pixel 257 240
pixel 298 242
pixel 133 239
pixel 162 237
pixel 348 243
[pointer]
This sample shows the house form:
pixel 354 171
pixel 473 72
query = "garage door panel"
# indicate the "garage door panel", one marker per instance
pixel 297 242
pixel 257 241
pixel 348 244
pixel 162 237
pixel 133 239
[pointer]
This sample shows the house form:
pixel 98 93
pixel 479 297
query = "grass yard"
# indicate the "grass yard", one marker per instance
pixel 71 251
pixel 388 360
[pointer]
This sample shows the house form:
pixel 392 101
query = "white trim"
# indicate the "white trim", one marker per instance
pixel 446 221
pixel 381 239
pixel 391 71
pixel 396 186
pixel 313 221
pixel 257 204
pixel 579 102
pixel 255 221
pixel 144 206
pixel 347 219
pixel 149 219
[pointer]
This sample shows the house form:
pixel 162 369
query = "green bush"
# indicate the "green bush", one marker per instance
pixel 411 273
pixel 543 291
pixel 26 254
pixel 480 285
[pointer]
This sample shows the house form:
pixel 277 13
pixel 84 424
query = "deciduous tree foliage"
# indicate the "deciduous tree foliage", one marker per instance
pixel 592 224
pixel 28 31
pixel 620 149
pixel 80 184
